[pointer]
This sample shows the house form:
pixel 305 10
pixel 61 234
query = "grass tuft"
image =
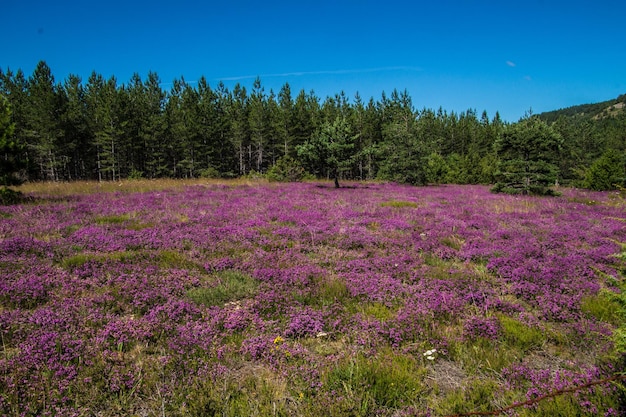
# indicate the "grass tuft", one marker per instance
pixel 399 204
pixel 231 286
pixel 388 380
pixel 602 306
pixel 520 335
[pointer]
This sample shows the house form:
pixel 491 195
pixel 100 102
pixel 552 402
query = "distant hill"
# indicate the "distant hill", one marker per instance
pixel 595 111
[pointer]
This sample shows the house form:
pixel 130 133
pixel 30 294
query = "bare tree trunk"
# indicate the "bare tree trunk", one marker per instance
pixel 99 166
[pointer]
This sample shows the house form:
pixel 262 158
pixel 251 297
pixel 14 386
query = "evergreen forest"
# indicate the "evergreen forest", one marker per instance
pixel 101 129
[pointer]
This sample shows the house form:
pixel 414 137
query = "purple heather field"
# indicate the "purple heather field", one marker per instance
pixel 175 302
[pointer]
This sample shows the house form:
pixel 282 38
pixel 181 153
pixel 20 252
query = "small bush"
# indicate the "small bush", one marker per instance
pixel 135 174
pixel 209 172
pixel 607 172
pixel 9 196
pixel 286 169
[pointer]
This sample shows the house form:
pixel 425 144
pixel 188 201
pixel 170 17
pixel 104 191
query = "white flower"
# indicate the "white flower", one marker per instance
pixel 430 354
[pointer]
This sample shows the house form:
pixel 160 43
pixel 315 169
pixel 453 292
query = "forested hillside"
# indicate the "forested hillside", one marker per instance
pixel 594 111
pixel 106 130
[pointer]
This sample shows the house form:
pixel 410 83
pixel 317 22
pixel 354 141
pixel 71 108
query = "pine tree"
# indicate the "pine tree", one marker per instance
pixel 239 132
pixel 608 172
pixel 43 121
pixel 330 150
pixel 153 129
pixel 224 154
pixel 11 151
pixel 284 127
pixel 305 117
pixel 104 125
pixel 528 152
pixel 403 152
pixel 258 123
pixel 75 150
pixel 182 118
pixel 14 87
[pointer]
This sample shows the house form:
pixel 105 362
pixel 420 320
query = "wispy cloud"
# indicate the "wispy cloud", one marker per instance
pixel 328 72
pixel 510 63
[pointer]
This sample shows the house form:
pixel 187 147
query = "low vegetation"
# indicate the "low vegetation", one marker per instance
pixel 210 298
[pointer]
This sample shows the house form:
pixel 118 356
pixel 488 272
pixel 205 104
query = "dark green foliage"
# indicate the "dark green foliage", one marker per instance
pixel 104 130
pixel 528 152
pixel 10 156
pixel 403 158
pixel 330 150
pixel 286 169
pixel 404 148
pixel 9 196
pixel 608 172
pixel 588 111
pixel 44 133
pixel 11 151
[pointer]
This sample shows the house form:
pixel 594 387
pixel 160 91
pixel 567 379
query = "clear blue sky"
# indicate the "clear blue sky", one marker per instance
pixel 484 55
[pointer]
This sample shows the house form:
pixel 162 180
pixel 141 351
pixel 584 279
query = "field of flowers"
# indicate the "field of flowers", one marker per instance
pixel 305 300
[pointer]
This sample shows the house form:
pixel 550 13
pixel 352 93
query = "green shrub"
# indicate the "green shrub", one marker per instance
pixel 286 169
pixel 9 196
pixel 209 172
pixel 607 172
pixel 135 174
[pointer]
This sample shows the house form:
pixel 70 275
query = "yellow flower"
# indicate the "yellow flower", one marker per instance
pixel 278 340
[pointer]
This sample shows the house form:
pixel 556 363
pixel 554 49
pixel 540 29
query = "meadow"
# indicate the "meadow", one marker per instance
pixel 251 298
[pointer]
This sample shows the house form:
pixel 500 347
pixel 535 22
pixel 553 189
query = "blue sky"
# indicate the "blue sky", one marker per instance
pixel 458 55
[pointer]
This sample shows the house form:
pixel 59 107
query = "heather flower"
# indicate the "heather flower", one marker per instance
pixel 95 292
pixel 487 327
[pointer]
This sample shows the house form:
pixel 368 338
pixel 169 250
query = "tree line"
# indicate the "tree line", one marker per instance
pixel 101 129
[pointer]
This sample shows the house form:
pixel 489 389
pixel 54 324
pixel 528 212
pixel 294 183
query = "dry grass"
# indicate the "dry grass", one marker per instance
pixel 127 186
